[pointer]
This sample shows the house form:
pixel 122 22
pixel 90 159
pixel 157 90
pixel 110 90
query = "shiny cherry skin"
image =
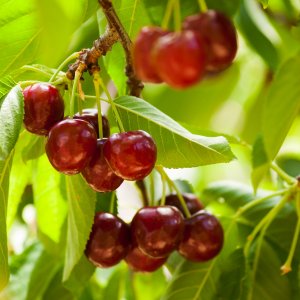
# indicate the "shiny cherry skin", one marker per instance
pixel 157 230
pixel 98 173
pixel 218 35
pixel 91 115
pixel 202 238
pixel 192 202
pixel 70 145
pixel 43 107
pixel 109 240
pixel 179 59
pixel 131 155
pixel 141 262
pixel 142 53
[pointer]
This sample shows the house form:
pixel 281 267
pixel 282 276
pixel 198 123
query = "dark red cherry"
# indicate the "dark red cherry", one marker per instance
pixel 70 145
pixel 91 115
pixel 218 35
pixel 179 59
pixel 157 230
pixel 109 240
pixel 131 155
pixel 202 238
pixel 43 107
pixel 140 262
pixel 98 173
pixel 192 202
pixel 142 48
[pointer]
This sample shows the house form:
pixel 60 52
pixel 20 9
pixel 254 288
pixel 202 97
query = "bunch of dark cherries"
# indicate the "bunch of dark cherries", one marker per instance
pixel 206 44
pixel 155 231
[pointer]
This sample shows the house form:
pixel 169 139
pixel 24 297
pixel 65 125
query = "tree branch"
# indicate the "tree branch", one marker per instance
pixel 134 84
pixel 88 58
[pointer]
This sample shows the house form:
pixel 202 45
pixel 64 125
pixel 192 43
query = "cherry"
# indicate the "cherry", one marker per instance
pixel 192 202
pixel 140 262
pixel 202 238
pixel 179 59
pixel 109 240
pixel 142 53
pixel 91 115
pixel 157 230
pixel 70 145
pixel 43 107
pixel 98 173
pixel 219 37
pixel 131 155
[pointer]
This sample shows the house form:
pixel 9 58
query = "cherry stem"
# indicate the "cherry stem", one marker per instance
pixel 266 221
pixel 203 5
pixel 74 88
pixel 287 178
pixel 113 106
pixel 112 202
pixel 25 83
pixel 62 65
pixel 142 188
pixel 168 13
pixel 177 16
pixel 287 266
pixel 171 183
pixel 96 78
pixel 163 196
pixel 152 190
pixel 255 202
pixel 36 70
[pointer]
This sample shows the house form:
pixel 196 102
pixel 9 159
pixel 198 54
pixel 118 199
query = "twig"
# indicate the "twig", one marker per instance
pixel 134 84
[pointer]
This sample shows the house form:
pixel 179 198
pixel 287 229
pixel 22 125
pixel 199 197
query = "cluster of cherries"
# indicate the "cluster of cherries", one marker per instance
pixel 207 43
pixel 153 234
pixel 73 144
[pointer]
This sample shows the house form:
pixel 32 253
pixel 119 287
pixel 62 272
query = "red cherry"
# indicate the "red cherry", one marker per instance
pixel 98 173
pixel 142 53
pixel 131 155
pixel 140 262
pixel 179 59
pixel 109 240
pixel 70 145
pixel 218 35
pixel 202 238
pixel 192 202
pixel 43 107
pixel 157 230
pixel 91 115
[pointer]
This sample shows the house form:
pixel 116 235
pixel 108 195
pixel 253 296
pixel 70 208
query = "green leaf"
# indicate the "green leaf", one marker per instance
pixel 34 148
pixel 260 162
pixel 282 106
pixel 80 276
pixel 81 209
pixel 6 84
pixel 174 143
pixel 253 28
pixel 50 204
pixel 56 290
pixel 68 16
pixel 31 272
pixel 20 177
pixel 11 116
pixel 266 281
pixel 19 34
